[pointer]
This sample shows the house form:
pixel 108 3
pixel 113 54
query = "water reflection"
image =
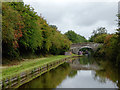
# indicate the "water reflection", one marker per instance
pixel 72 73
pixel 108 71
pixel 84 63
pixel 81 72
pixel 84 79
pixel 50 79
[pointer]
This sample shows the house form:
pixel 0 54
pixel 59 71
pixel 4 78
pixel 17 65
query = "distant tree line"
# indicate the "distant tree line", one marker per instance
pixel 24 32
pixel 74 37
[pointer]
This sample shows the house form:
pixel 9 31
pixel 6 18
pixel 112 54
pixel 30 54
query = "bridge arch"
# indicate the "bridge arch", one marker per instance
pixel 76 47
pixel 85 47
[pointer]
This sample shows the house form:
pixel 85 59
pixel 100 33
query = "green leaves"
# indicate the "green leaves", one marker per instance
pixel 97 34
pixel 26 32
pixel 75 38
pixel 100 38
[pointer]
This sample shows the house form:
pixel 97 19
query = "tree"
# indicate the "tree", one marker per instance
pixel 12 25
pixel 100 38
pixel 24 32
pixel 97 32
pixel 100 31
pixel 75 38
pixel 53 26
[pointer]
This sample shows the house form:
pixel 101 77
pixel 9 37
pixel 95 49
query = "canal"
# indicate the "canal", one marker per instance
pixel 82 72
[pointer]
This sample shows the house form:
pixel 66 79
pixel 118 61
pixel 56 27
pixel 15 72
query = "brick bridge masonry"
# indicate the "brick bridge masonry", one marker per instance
pixel 77 46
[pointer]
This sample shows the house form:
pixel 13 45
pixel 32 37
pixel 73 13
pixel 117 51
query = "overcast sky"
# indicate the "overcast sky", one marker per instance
pixel 81 17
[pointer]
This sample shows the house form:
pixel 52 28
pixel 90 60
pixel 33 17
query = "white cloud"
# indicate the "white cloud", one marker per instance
pixel 82 17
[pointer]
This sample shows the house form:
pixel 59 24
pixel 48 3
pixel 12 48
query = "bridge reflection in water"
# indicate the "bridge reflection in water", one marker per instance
pixel 79 64
pixel 82 72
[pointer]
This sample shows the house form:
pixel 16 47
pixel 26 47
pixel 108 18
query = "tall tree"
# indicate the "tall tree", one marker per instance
pixel 97 32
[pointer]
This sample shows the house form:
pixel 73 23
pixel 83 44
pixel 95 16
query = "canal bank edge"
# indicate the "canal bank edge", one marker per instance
pixel 28 75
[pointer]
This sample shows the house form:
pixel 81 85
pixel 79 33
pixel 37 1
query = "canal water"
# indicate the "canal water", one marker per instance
pixel 82 72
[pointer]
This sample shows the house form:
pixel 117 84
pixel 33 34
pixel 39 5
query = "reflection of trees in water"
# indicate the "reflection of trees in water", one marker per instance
pixel 54 77
pixel 85 60
pixel 72 73
pixel 50 79
pixel 109 71
pixel 99 78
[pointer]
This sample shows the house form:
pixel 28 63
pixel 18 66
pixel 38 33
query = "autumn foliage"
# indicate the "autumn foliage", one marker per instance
pixel 25 32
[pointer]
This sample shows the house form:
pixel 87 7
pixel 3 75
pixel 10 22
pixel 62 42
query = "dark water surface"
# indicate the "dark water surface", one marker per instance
pixel 82 72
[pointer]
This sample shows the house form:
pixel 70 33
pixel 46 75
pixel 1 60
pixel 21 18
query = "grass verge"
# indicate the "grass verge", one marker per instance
pixel 29 64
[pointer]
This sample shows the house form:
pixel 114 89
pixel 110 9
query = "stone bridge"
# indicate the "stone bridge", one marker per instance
pixel 77 46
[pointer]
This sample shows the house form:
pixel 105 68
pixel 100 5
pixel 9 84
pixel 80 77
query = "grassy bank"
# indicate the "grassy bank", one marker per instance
pixel 29 64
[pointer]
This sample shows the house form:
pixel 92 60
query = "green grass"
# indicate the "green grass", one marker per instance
pixel 28 65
